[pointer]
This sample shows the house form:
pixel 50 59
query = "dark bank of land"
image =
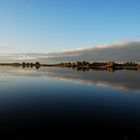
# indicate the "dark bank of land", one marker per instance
pixel 82 65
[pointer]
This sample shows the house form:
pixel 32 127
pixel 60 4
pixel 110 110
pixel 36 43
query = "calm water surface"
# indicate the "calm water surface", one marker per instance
pixel 38 99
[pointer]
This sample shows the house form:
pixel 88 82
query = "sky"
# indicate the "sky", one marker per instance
pixel 30 26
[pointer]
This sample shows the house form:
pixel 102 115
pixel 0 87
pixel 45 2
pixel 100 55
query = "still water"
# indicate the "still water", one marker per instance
pixel 38 99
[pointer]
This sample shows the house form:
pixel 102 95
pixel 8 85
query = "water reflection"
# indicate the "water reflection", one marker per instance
pixel 122 79
pixel 31 66
pixel 34 99
pixel 108 69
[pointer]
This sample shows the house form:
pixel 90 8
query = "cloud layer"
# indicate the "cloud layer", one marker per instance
pixel 121 51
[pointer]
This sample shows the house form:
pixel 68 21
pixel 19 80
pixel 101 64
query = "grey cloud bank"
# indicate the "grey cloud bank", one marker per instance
pixel 121 51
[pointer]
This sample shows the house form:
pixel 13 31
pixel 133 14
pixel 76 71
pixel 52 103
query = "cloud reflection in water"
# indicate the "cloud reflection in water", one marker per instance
pixel 123 79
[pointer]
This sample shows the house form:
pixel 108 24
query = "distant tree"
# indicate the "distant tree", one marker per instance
pixel 78 63
pixel 37 64
pixel 28 64
pixel 23 63
pixel 31 65
pixel 110 63
pixel 73 64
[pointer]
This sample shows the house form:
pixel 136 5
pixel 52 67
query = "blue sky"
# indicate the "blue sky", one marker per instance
pixel 43 26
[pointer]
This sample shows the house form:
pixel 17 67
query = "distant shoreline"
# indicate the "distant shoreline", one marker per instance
pixel 81 65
